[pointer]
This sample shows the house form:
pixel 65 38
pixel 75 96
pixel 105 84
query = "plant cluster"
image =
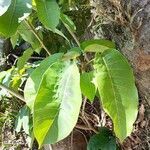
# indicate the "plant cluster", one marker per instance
pixel 53 89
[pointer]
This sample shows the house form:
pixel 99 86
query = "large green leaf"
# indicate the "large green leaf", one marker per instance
pixel 57 103
pixel 48 13
pixel 104 140
pixel 116 85
pixel 15 13
pixel 4 4
pixel 97 45
pixel 33 82
pixel 87 86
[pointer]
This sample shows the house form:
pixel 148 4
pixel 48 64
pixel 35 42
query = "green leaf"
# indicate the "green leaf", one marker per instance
pixel 14 39
pixel 97 45
pixel 115 81
pixel 33 82
pixel 2 75
pixel 104 140
pixel 87 86
pixel 48 13
pixel 5 76
pixel 17 11
pixel 68 22
pixel 24 58
pixel 22 120
pixel 4 4
pixel 72 53
pixel 56 115
pixel 61 34
pixel 26 33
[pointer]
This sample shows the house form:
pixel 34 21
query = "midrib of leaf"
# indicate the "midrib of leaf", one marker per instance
pixel 46 11
pixel 66 85
pixel 61 101
pixel 13 12
pixel 90 81
pixel 113 88
pixel 34 102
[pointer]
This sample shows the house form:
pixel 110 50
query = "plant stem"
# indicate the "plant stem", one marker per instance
pixel 37 36
pixel 72 34
pixel 12 92
pixel 86 128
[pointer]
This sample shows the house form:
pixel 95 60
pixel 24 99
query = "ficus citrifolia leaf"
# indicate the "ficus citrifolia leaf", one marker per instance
pixel 73 53
pixel 57 103
pixel 87 86
pixel 24 58
pixel 16 12
pixel 22 120
pixel 104 140
pixel 97 45
pixel 116 85
pixel 33 82
pixel 4 4
pixel 68 22
pixel 48 12
pixel 26 33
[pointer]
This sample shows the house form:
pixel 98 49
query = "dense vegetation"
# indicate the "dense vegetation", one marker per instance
pixel 58 73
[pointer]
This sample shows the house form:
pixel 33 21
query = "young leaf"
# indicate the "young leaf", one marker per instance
pixel 104 140
pixel 87 87
pixel 33 82
pixel 116 85
pixel 2 75
pixel 97 45
pixel 14 39
pixel 9 22
pixel 22 120
pixel 72 53
pixel 61 34
pixel 48 13
pixel 24 58
pixel 68 22
pixel 4 4
pixel 26 33
pixel 57 103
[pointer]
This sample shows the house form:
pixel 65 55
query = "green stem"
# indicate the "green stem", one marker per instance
pixel 72 34
pixel 12 92
pixel 37 36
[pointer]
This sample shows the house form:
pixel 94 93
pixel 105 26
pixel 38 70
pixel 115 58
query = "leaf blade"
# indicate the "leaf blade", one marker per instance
pixel 63 107
pixel 4 4
pixel 104 140
pixel 48 13
pixel 117 89
pixel 9 22
pixel 87 87
pixel 33 82
pixel 97 45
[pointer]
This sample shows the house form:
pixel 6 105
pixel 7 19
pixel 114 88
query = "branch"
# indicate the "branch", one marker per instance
pixel 37 36
pixel 12 92
pixel 72 34
pixel 86 128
